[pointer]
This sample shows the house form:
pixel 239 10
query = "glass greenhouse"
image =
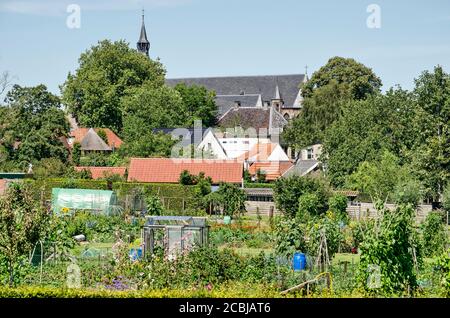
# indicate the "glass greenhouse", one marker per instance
pixel 174 234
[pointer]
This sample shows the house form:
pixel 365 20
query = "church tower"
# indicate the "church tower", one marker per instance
pixel 143 45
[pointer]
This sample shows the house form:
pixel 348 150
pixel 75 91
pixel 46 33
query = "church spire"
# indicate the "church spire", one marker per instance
pixel 143 45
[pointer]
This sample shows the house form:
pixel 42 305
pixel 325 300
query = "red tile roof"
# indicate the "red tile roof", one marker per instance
pixel 259 152
pixel 102 172
pixel 168 170
pixel 272 169
pixel 113 139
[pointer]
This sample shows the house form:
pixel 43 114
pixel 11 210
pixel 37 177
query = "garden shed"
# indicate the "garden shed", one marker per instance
pixel 174 234
pixel 96 201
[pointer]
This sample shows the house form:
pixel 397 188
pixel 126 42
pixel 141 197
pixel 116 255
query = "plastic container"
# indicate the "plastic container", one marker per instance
pixel 299 262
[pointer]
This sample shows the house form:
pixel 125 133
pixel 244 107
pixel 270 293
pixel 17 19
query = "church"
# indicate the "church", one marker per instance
pixel 281 94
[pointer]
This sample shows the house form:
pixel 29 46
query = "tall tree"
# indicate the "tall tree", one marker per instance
pixel 360 80
pixel 432 157
pixel 333 85
pixel 365 129
pixel 199 104
pixel 33 124
pixel 106 73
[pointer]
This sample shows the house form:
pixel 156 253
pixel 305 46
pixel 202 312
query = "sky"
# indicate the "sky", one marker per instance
pixel 195 38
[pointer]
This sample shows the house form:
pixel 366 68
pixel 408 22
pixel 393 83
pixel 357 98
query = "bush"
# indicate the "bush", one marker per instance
pixel 434 234
pixel 287 192
pixel 330 226
pixel 289 236
pixel 154 206
pixel 338 205
pixel 308 205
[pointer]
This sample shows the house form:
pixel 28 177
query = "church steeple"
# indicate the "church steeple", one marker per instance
pixel 143 45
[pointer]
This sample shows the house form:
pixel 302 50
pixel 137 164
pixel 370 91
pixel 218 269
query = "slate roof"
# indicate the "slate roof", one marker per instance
pixel 102 172
pixel 92 141
pixel 168 170
pixel 235 85
pixel 301 168
pixel 226 102
pixel 113 139
pixel 253 117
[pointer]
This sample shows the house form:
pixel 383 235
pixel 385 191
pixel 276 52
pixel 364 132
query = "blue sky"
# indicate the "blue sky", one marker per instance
pixel 228 37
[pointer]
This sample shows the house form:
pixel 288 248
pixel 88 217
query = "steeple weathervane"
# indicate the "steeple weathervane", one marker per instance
pixel 143 45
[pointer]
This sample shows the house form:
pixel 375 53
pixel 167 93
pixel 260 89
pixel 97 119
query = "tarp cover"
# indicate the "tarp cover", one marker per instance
pixel 69 200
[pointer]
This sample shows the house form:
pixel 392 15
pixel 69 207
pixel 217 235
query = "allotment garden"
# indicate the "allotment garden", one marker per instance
pixel 312 249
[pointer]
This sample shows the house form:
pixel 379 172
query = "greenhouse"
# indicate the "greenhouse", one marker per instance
pixel 96 201
pixel 174 234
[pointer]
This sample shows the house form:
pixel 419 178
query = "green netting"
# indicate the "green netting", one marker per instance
pixel 70 200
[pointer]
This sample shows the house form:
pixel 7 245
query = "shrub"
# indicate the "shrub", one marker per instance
pixel 289 236
pixel 287 192
pixel 308 205
pixel 434 234
pixel 391 247
pixel 338 205
pixel 154 206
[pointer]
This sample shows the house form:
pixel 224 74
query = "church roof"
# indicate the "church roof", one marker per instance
pixel 253 117
pixel 245 85
pixel 143 35
pixel 226 102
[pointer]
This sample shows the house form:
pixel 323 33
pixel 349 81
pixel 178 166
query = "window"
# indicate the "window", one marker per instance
pixel 286 116
pixel 310 154
pixel 209 146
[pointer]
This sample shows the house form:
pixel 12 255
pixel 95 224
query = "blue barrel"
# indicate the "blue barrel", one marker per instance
pixel 135 254
pixel 299 262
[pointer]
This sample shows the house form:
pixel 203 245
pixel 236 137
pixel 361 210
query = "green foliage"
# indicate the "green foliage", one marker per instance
pixel 31 126
pixel 102 134
pixel 154 206
pixel 391 246
pixel 380 178
pixel 319 111
pixel 76 153
pixel 108 72
pixel 308 205
pixel 147 144
pixel 186 178
pixel 232 199
pixel 338 205
pixel 366 129
pixel 446 199
pixel 22 224
pixel 289 236
pixel 434 234
pixel 408 192
pixel 49 168
pixel 443 264
pixel 260 176
pixel 358 79
pixel 329 224
pixel 198 104
pixel 287 192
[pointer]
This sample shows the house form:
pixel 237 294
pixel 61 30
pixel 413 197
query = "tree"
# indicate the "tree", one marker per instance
pixel 287 192
pixel 319 111
pixel 367 128
pixel 260 176
pixel 289 236
pixel 108 72
pixel 358 79
pixel 338 205
pixel 148 144
pixel 308 205
pixel 33 125
pixel 198 103
pixel 49 168
pixel 76 153
pixel 22 224
pixel 380 178
pixel 5 81
pixel 432 157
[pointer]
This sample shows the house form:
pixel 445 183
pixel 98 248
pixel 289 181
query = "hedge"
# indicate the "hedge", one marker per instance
pixel 224 291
